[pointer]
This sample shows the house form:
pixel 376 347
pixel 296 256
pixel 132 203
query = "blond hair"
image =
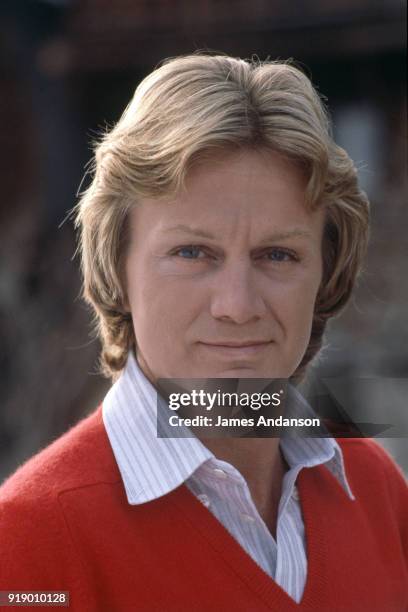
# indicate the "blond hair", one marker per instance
pixel 195 106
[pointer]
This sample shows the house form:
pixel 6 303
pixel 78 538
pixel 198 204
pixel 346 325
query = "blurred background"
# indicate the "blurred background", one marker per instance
pixel 68 69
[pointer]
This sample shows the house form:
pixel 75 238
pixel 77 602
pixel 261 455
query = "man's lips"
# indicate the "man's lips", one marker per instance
pixel 235 344
pixel 250 348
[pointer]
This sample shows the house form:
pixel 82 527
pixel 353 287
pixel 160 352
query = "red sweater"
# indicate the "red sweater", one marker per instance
pixel 65 524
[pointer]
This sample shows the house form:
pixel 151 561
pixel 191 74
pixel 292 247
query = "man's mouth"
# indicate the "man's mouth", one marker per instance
pixel 235 349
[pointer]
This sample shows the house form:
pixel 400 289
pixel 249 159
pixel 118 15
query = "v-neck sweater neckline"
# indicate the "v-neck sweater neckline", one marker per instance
pixel 244 566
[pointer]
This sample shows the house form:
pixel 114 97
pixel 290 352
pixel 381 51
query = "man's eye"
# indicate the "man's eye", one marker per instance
pixel 190 252
pixel 280 255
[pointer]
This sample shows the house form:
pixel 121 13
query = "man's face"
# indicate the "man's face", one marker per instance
pixel 223 279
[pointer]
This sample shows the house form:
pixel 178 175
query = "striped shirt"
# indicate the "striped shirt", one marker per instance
pixel 151 467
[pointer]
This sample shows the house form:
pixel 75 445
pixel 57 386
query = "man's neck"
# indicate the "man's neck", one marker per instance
pixel 261 463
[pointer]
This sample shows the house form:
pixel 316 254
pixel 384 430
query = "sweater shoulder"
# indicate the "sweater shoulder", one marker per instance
pixel 373 454
pixel 38 552
pixel 81 456
pixel 368 464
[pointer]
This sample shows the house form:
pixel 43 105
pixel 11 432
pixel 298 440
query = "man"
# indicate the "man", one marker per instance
pixel 222 229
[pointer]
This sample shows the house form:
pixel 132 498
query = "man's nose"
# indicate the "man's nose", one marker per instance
pixel 236 295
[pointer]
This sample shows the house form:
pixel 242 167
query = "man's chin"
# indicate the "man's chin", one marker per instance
pixel 238 372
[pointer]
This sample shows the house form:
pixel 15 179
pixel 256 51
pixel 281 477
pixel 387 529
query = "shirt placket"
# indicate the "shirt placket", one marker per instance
pixel 218 486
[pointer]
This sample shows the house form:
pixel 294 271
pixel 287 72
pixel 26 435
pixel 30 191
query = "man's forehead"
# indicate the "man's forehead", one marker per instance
pixel 219 200
pixel 200 220
pixel 249 164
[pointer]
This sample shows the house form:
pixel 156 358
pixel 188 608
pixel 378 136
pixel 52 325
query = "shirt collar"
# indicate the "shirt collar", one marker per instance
pixel 309 452
pixel 151 467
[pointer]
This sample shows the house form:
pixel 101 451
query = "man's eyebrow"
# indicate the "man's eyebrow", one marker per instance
pixel 278 235
pixel 293 233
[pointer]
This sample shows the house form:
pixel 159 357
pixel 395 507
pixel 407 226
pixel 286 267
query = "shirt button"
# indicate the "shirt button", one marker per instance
pixel 220 473
pixel 295 494
pixel 204 499
pixel 247 518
